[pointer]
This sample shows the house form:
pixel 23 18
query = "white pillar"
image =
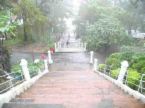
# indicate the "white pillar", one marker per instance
pixel 91 57
pixel 50 61
pixel 95 64
pixel 46 65
pixel 25 70
pixel 123 70
pixel 55 46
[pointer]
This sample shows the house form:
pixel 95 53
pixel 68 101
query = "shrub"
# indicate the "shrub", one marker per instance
pixel 114 60
pixel 138 63
pixel 33 69
pixel 126 56
pixel 133 78
pixel 115 73
pixel 16 69
pixel 101 67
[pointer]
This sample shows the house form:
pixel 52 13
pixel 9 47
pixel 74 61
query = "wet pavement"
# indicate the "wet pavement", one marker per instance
pixel 16 56
pixel 70 61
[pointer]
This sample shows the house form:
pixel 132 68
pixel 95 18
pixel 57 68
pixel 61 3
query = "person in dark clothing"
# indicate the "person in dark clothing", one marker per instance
pixel 67 43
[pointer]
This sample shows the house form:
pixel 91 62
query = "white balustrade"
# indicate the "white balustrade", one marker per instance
pixel 50 61
pixel 91 57
pixel 55 46
pixel 95 64
pixel 25 70
pixel 123 70
pixel 46 66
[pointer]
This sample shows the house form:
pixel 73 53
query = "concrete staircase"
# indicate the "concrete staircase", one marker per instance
pixel 28 103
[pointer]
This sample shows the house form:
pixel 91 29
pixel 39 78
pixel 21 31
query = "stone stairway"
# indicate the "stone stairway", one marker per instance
pixel 71 83
pixel 78 89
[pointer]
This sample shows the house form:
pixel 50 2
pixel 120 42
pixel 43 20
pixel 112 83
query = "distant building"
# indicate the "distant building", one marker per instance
pixel 137 34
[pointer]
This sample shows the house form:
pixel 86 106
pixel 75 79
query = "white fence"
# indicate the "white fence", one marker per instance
pixel 123 80
pixel 16 84
pixel 72 45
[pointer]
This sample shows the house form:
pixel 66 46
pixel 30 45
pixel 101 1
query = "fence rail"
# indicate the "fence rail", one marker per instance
pixel 137 84
pixel 10 80
pixel 70 45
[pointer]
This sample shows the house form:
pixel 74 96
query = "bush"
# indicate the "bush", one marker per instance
pixel 133 78
pixel 127 56
pixel 16 69
pixel 114 60
pixel 33 69
pixel 115 73
pixel 102 67
pixel 138 63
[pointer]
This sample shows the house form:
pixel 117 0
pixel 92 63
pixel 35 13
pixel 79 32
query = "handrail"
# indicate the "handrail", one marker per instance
pixel 140 88
pixel 138 84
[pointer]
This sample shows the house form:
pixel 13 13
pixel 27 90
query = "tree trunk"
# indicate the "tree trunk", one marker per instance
pixel 24 25
pixel 25 32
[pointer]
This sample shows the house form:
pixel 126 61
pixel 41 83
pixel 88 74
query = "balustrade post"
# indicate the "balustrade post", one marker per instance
pixel 25 70
pixel 50 61
pixel 46 65
pixel 91 57
pixel 95 64
pixel 123 70
pixel 55 46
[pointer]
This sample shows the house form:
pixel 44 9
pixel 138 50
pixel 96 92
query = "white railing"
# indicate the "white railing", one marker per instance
pixel 137 84
pixel 10 80
pixel 16 84
pixel 80 45
pixel 13 79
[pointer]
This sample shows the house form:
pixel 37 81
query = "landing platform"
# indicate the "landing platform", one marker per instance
pixel 70 50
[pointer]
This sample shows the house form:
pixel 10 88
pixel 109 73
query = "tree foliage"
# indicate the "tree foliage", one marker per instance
pixel 136 9
pixel 7 28
pixel 31 15
pixel 42 19
pixel 101 24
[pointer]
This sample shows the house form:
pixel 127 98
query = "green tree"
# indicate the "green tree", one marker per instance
pixel 7 31
pixel 105 33
pixel 55 11
pixel 31 15
pixel 102 25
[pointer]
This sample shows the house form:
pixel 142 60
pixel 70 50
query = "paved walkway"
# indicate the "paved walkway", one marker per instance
pixel 79 89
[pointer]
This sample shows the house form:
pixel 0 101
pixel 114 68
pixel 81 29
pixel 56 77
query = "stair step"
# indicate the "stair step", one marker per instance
pixel 20 100
pixel 22 105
